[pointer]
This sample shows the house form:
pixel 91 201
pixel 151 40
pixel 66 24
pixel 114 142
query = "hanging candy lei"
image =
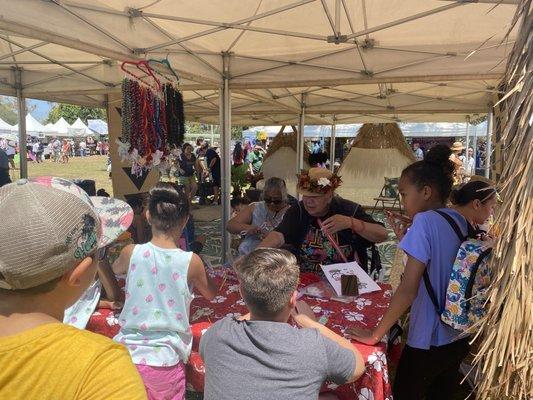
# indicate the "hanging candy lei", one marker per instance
pixel 152 123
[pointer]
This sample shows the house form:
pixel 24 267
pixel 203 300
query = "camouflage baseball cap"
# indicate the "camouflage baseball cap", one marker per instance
pixel 49 225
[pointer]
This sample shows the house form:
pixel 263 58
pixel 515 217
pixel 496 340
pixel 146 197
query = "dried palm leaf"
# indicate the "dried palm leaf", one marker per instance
pixel 506 352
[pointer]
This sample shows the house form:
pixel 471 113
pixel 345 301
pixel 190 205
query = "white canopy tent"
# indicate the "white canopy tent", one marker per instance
pixel 33 127
pixel 98 127
pixel 59 128
pixel 5 127
pixel 79 129
pixel 277 62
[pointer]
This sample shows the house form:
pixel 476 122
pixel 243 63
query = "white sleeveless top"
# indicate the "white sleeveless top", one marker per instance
pixel 155 319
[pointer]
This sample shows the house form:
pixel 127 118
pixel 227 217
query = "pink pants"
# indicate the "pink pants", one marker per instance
pixel 163 383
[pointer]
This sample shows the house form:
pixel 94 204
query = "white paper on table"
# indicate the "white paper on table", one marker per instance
pixel 333 273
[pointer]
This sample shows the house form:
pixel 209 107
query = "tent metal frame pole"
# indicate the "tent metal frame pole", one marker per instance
pixel 225 133
pixel 301 135
pixel 488 146
pixel 22 123
pixel 474 147
pixel 467 144
pixel 332 144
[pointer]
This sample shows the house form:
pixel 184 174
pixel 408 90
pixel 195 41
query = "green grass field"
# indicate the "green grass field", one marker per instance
pixel 93 167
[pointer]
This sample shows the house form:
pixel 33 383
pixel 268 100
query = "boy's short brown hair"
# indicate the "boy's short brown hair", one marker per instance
pixel 268 279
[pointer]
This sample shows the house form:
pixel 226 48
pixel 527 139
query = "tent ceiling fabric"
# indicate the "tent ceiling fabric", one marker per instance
pixel 364 61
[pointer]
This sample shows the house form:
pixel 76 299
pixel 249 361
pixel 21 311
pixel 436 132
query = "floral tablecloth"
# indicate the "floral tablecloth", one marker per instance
pixel 364 311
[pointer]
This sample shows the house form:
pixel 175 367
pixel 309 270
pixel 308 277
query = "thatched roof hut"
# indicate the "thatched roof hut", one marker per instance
pixel 280 160
pixel 379 151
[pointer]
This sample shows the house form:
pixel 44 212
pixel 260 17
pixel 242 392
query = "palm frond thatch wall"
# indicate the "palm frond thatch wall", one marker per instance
pixel 505 357
pixel 285 139
pixel 383 136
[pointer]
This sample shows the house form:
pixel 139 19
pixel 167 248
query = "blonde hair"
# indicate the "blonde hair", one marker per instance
pixel 268 279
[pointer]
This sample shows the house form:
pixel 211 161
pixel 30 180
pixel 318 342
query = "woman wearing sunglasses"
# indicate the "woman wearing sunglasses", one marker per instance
pixel 256 220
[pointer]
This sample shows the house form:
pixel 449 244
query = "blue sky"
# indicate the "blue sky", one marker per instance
pixel 42 108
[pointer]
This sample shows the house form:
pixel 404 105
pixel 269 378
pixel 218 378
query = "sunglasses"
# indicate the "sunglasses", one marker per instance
pixel 272 201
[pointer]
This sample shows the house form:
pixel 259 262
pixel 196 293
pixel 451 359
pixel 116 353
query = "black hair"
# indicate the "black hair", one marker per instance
pixel 435 170
pixel 168 206
pixel 186 145
pixel 317 158
pixel 474 190
pixel 102 193
pixel 238 201
pixel 238 152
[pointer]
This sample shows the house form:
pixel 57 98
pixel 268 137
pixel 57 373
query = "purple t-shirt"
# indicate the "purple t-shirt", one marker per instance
pixel 432 241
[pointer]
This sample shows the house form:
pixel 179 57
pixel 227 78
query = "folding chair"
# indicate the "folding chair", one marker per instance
pixel 389 195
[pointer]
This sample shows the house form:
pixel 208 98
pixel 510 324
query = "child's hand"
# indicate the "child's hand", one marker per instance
pixel 365 336
pixel 399 223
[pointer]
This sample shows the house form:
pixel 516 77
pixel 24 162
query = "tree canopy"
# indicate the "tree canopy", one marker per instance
pixel 72 112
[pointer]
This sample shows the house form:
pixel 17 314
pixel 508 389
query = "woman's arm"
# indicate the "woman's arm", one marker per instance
pixel 200 279
pixel 122 263
pixel 400 302
pixel 242 221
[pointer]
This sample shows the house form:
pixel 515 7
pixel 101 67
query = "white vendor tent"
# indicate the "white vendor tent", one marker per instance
pixel 33 127
pixel 60 128
pixel 79 129
pixel 98 126
pixel 5 127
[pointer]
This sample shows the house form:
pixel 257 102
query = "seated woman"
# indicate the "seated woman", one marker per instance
pixel 256 220
pixel 307 226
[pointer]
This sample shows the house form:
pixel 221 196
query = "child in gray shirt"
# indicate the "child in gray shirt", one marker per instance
pixel 263 357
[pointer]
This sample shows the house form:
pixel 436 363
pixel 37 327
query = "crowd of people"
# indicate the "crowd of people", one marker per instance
pixel 256 356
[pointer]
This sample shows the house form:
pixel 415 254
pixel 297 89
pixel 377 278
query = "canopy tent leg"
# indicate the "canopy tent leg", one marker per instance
pixel 300 136
pixel 332 144
pixel 225 132
pixel 467 144
pixel 488 146
pixel 22 124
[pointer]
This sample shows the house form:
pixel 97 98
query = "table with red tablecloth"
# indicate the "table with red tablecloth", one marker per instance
pixel 364 311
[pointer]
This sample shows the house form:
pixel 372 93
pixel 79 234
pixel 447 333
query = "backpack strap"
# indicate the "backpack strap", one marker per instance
pixel 425 276
pixel 431 292
pixel 453 224
pixel 470 285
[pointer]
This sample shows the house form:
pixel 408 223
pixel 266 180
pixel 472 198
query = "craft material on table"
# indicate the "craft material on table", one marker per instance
pixel 333 273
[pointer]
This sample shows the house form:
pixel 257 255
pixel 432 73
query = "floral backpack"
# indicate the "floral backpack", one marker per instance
pixel 470 277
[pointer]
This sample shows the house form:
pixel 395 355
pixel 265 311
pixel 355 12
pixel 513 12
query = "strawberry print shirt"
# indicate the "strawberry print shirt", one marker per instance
pixel 154 323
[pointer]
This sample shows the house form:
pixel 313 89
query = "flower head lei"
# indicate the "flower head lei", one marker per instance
pixel 315 184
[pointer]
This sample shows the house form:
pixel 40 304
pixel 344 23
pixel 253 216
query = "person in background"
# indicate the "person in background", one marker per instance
pixel 187 169
pixel 83 148
pixel 419 154
pixel 154 323
pixel 37 151
pixel 56 147
pixel 469 163
pixel 260 356
pixel 239 168
pixel 308 226
pixel 255 159
pixel 257 220
pixel 65 151
pixel 199 146
pixel 213 167
pixel 4 168
pixel 11 150
pixel 318 159
pixel 458 162
pixel 429 364
pixel 41 274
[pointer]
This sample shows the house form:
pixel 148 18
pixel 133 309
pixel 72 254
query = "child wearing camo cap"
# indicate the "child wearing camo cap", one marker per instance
pixel 50 237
